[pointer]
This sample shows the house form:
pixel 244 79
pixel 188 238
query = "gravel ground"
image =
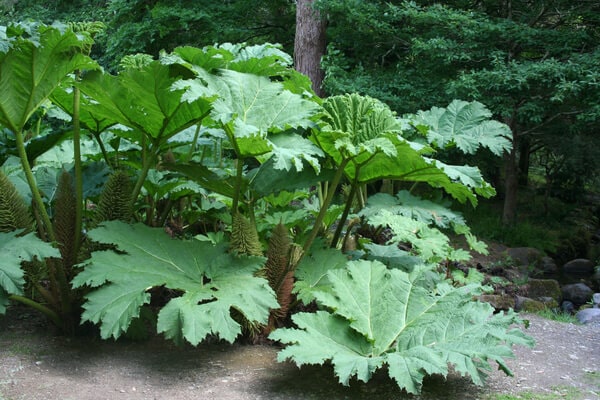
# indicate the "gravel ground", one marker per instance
pixel 36 365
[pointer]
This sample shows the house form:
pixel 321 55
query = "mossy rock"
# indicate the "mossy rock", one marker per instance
pixel 526 304
pixel 499 301
pixel 543 288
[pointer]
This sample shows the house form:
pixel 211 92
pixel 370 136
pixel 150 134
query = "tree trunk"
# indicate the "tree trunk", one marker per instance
pixel 310 43
pixel 524 159
pixel 511 185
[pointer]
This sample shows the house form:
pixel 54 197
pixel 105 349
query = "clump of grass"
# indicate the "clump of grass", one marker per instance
pixel 558 392
pixel 557 315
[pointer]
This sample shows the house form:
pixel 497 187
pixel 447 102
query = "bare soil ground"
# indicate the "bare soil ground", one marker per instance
pixel 36 365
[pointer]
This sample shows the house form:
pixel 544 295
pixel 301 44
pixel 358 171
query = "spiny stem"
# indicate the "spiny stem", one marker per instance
pixel 323 211
pixel 342 221
pixel 148 160
pixel 78 173
pixel 39 307
pixel 35 193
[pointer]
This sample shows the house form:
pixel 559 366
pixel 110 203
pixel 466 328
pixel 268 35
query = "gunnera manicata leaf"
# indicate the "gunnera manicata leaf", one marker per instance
pixel 375 317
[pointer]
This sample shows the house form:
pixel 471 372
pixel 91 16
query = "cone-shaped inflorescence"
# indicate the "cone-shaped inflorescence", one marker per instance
pixel 115 200
pixel 282 258
pixel 64 220
pixel 14 213
pixel 244 237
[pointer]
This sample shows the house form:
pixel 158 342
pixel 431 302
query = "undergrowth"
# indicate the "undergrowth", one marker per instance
pixel 558 316
pixel 548 231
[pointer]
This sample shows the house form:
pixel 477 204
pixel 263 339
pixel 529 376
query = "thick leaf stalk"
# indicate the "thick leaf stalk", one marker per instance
pixel 78 168
pixel 48 312
pixel 35 193
pixel 339 173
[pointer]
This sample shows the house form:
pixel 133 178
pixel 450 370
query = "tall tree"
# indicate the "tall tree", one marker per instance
pixel 310 43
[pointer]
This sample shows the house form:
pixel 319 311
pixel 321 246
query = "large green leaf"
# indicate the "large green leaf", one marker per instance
pixel 212 281
pixel 269 179
pixel 311 273
pixel 63 97
pixel 143 99
pixel 356 126
pixel 387 317
pixel 264 60
pixel 466 125
pixel 416 221
pixel 32 69
pixel 407 204
pixel 364 132
pixel 212 179
pixel 253 106
pixel 16 249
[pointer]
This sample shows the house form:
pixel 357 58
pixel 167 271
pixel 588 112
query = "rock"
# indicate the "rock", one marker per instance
pixel 596 300
pixel 595 280
pixel 524 255
pixel 547 265
pixel 579 266
pixel 527 304
pixel 499 302
pixel 549 302
pixel 588 315
pixel 539 288
pixel 578 293
pixel 567 307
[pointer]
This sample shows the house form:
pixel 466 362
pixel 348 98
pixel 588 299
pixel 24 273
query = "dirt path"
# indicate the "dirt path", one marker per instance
pixel 35 365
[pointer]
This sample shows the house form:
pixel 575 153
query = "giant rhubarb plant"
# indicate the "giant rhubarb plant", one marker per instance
pixel 144 100
pixel 375 318
pixel 35 59
pixel 367 142
pixel 261 101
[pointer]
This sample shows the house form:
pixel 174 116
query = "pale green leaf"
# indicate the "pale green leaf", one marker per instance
pixel 392 256
pixel 255 106
pixel 467 125
pixel 409 205
pixel 468 176
pixel 429 243
pixel 311 273
pixel 16 249
pixel 211 280
pixel 387 317
pixel 115 305
pixel 290 150
pixel 322 336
